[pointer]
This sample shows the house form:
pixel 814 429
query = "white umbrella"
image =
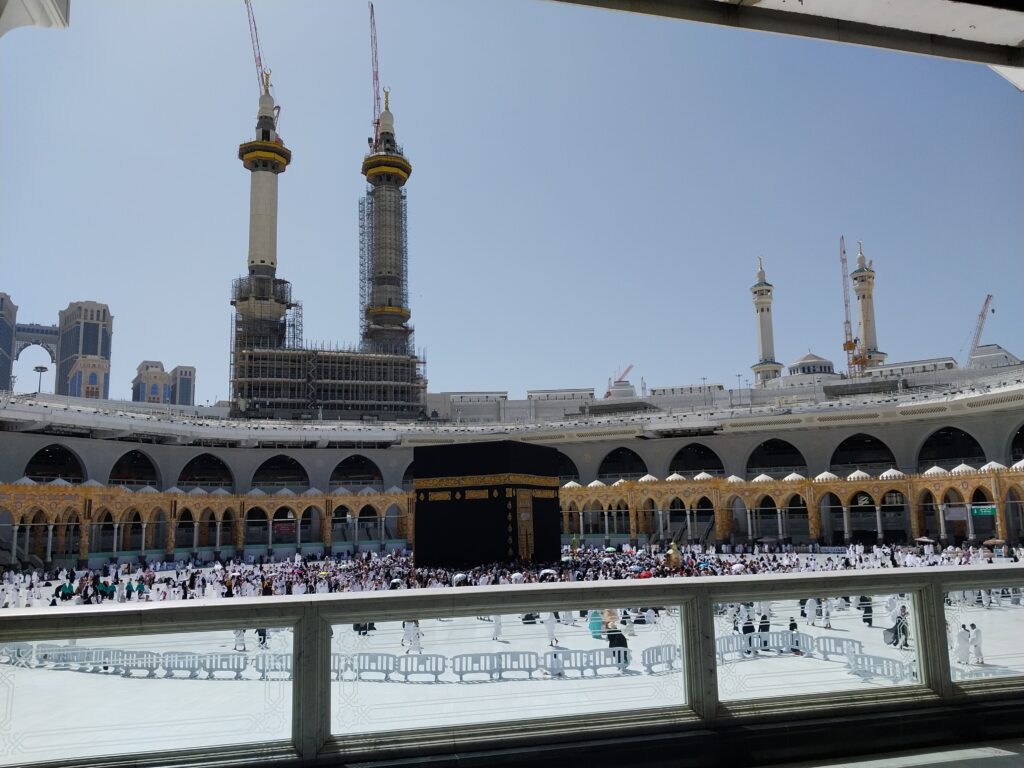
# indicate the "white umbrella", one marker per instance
pixel 548 572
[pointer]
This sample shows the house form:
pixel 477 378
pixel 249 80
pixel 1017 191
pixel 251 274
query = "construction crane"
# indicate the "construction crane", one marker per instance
pixel 855 357
pixel 620 376
pixel 376 79
pixel 979 327
pixel 262 75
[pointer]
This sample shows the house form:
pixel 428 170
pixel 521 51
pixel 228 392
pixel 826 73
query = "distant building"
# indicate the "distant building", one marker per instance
pixel 152 384
pixel 84 330
pixel 8 321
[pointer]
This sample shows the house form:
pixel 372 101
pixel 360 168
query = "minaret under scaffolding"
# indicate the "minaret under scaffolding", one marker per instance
pixel 767 367
pixel 863 278
pixel 383 245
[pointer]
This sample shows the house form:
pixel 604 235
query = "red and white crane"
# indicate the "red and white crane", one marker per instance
pixel 376 78
pixel 979 327
pixel 262 74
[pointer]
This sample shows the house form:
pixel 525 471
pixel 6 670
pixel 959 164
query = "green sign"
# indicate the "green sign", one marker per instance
pixel 986 511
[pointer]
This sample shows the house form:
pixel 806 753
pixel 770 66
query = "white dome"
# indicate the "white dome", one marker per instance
pixel 220 492
pixel 732 479
pixel 174 489
pixel 285 492
pixel 648 479
pixel 705 476
pixel 24 480
pixel 387 122
pixel 793 477
pixel 891 474
pixel 266 105
pixel 596 484
pixel 197 492
pixel 255 492
pixel 340 491
pixel 675 477
pixel 572 484
pixel 858 474
pixel 762 478
pixel 312 492
pixel 934 472
pixel 962 469
pixel 620 481
pixel 368 491
pixel 825 477
pixel 147 489
pixel 1018 465
pixel 992 466
pixel 394 489
pixel 92 484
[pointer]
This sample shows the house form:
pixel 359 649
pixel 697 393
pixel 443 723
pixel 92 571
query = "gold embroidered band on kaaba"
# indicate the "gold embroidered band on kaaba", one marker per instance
pixel 476 481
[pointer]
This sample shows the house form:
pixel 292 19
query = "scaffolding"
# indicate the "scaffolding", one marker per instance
pixel 384 236
pixel 365 260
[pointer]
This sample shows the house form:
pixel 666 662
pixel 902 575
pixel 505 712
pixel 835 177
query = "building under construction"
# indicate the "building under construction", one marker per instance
pixel 273 373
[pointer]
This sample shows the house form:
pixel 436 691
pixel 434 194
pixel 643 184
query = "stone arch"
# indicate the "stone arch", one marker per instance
pixel 135 469
pixel 831 509
pixel 101 535
pixel 862 451
pixel 131 530
pixel 593 518
pixel 280 471
pixel 356 471
pixel 796 519
pixel 284 522
pixel 69 533
pixel 776 457
pixel 694 458
pixel 207 523
pixel 567 470
pixel 621 463
pixel 257 527
pixel 1014 501
pixel 340 518
pixel 618 518
pixel 984 525
pixel 310 523
pixel 1015 449
pixel 206 471
pixel 765 519
pixel 703 516
pixel 55 462
pixel 947 447
pixel 409 475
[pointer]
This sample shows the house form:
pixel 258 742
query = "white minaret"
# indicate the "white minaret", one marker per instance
pixel 265 158
pixel 767 366
pixel 863 278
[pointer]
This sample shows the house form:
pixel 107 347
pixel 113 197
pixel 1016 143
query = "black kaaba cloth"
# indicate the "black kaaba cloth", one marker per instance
pixel 481 503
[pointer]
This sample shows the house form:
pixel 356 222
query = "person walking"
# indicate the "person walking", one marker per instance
pixel 496 621
pixel 549 625
pixel 963 637
pixel 974 640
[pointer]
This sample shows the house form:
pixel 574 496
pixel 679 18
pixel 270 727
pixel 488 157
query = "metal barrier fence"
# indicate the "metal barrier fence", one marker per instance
pixel 316 675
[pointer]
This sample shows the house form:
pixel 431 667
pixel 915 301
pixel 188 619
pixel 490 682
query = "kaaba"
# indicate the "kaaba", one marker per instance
pixel 481 503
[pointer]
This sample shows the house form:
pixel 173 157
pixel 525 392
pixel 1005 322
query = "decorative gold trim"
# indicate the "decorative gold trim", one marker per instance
pixel 439 496
pixel 477 495
pixel 473 481
pixel 545 494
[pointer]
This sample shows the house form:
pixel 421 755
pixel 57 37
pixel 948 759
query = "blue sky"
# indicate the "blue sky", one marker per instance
pixel 589 188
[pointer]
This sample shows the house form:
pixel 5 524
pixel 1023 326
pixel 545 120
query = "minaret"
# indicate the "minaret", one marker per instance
pixel 864 287
pixel 767 367
pixel 260 299
pixel 383 262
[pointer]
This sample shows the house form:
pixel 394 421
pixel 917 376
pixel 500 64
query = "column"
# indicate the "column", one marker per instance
pixel 750 526
pixel 942 522
pixel 689 526
pixel 49 542
pixel 634 526
pixel 970 520
pixel 83 543
pixel 28 529
pixel 581 526
pixel 847 534
pixel 723 524
pixel 878 522
pixel 606 539
pixel 142 539
pixel 661 524
pixel 380 520
pixel 195 535
pixel 270 531
pixel 298 532
pixel 1001 531
pixel 172 533
pixel 216 535
pixel 355 539
pixel 778 513
pixel 814 522
pixel 916 518
pixel 116 545
pixel 14 542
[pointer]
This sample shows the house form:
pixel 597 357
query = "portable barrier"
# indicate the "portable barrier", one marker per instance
pixel 865 665
pixel 557 663
pixel 421 664
pixel 476 664
pixel 827 645
pixel 278 665
pixel 181 661
pixel 339 663
pixel 664 656
pixel 524 662
pixel 234 663
pixel 603 658
pixel 140 661
pixel 383 664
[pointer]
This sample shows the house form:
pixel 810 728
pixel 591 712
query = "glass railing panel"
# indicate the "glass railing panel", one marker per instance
pixel 63 700
pixel 821 644
pixel 395 675
pixel 984 628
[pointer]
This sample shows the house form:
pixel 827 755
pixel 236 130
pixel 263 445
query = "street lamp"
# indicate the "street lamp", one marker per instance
pixel 40 369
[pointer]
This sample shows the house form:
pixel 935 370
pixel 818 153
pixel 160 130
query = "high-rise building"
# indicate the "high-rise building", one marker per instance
pixel 863 278
pixel 183 385
pixel 152 384
pixel 84 329
pixel 8 323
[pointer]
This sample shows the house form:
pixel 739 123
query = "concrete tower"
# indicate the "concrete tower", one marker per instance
pixel 260 299
pixel 767 366
pixel 863 278
pixel 383 256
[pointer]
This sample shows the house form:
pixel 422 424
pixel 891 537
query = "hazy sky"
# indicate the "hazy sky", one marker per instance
pixel 589 188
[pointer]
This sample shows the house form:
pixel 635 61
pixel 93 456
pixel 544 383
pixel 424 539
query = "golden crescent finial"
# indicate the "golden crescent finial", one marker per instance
pixel 387 93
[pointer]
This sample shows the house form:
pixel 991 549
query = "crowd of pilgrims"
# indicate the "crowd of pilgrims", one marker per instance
pixel 370 571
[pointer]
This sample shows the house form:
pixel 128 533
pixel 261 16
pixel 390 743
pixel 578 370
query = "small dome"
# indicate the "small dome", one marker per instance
pixel 1018 465
pixel 147 489
pixel 266 105
pixel 285 492
pixel 174 489
pixel 572 484
pixel 197 492
pixel 220 492
pixel 368 491
pixel 387 122
pixel 891 474
pixel 675 477
pixel 705 476
pixel 23 480
pixel 962 469
pixel 596 484
pixel 732 479
pixel 312 492
pixel 825 477
pixel 255 492
pixel 340 491
pixel 59 481
pixel 763 478
pixel 620 481
pixel 858 474
pixel 935 472
pixel 394 489
pixel 992 466
pixel 92 484
pixel 648 479
pixel 793 477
